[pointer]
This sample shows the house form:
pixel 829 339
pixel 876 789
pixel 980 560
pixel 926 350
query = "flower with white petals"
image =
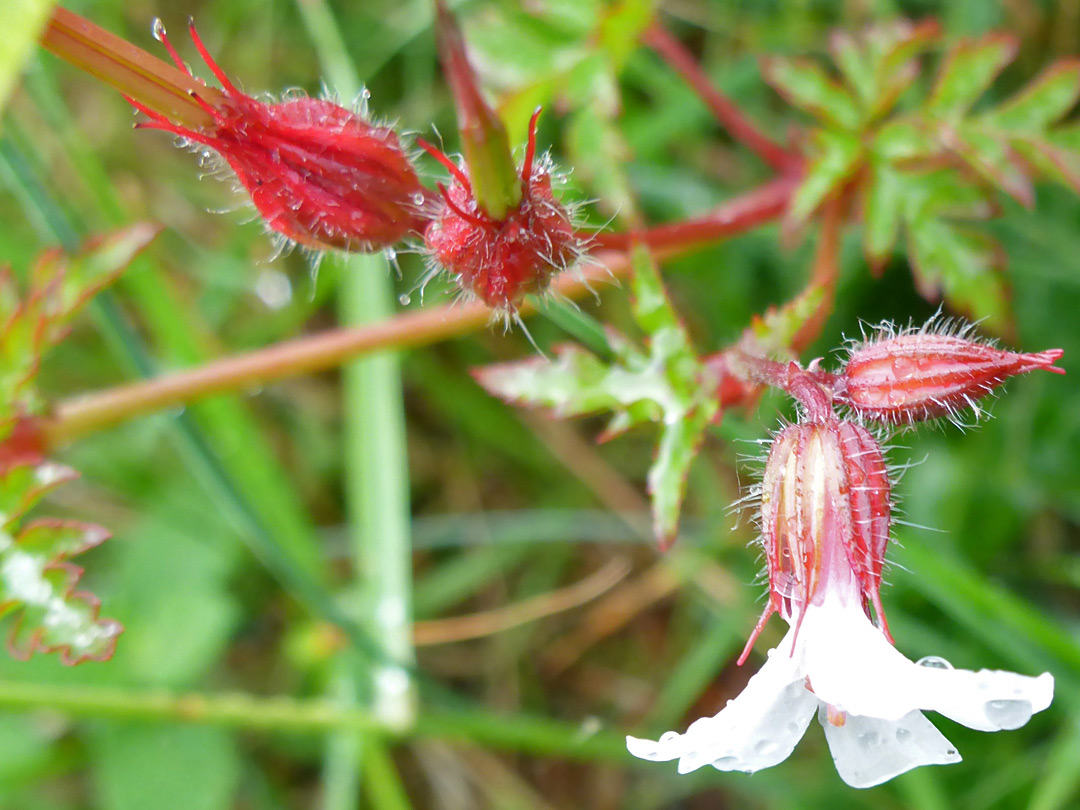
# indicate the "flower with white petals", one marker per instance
pixel 825 519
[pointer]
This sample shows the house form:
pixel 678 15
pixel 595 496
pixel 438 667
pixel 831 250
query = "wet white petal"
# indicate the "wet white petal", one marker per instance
pixel 756 730
pixel 987 700
pixel 868 751
pixel 852 666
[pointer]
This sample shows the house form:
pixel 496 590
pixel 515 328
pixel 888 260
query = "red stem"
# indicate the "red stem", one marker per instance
pixel 737 215
pixel 726 111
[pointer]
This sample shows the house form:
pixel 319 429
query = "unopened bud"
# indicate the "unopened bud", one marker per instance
pixel 915 375
pixel 318 173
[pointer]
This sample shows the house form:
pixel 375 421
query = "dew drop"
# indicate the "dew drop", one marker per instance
pixel 1008 714
pixel 404 299
pixel 869 739
pixel 157 28
pixel 934 662
pixel 418 198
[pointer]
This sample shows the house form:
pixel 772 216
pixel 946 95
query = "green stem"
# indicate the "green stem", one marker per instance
pixel 525 734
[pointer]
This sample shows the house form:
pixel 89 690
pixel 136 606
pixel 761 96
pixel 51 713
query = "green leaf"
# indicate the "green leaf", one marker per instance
pixel 967 72
pixel 1043 102
pixel 774 332
pixel 996 162
pixel 835 156
pixel 22 21
pixel 883 206
pixel 99 263
pixel 680 440
pixel 23 485
pixel 665 384
pixel 962 264
pixel 37 583
pixel 652 309
pixel 803 84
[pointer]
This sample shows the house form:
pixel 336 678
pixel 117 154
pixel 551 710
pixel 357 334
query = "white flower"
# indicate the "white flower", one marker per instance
pixel 866 694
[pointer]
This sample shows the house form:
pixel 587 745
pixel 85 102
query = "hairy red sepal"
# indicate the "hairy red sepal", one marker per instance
pixel 921 375
pixel 318 173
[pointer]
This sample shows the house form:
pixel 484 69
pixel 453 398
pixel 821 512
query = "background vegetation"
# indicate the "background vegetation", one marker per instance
pixel 217 508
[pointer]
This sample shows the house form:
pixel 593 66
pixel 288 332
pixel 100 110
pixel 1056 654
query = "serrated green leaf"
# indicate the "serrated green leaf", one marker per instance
pixel 774 332
pixel 964 266
pixel 903 140
pixel 52 615
pixel 945 193
pixel 1042 102
pixel 1054 161
pixel 99 262
pixel 652 310
pixel 854 64
pixel 967 72
pixel 803 84
pixel 835 156
pixel 680 440
pixel 996 162
pixel 21 486
pixel 883 206
pixel 576 383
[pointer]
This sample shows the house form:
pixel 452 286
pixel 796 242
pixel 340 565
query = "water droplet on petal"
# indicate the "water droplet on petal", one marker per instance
pixel 1008 714
pixel 726 763
pixel 869 739
pixel 902 735
pixel 669 736
pixel 764 747
pixel 934 662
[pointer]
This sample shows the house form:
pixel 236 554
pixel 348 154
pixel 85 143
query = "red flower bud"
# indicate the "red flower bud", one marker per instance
pixel 502 260
pixel 825 513
pixel 904 378
pixel 318 173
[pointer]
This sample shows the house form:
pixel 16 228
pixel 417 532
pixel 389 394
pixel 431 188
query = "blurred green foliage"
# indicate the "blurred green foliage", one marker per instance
pixel 228 557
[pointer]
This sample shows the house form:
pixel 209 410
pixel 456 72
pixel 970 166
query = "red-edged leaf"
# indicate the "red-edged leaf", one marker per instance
pixel 803 84
pixel 1043 102
pixel 969 69
pixel 997 162
pixel 834 158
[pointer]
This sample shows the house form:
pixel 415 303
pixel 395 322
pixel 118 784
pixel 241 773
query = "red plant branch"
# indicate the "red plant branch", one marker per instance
pixel 726 111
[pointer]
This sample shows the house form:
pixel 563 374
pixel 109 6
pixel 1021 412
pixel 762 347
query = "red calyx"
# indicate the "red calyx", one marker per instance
pixel 318 173
pixel 923 375
pixel 502 260
pixel 825 516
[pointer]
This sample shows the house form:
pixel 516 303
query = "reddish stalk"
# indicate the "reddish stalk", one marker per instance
pixel 672 51
pixel 86 413
pixel 152 82
pixel 756 207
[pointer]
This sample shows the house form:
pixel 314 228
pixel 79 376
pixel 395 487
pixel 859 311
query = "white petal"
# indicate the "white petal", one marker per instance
pixel 853 667
pixel 987 700
pixel 868 751
pixel 756 730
